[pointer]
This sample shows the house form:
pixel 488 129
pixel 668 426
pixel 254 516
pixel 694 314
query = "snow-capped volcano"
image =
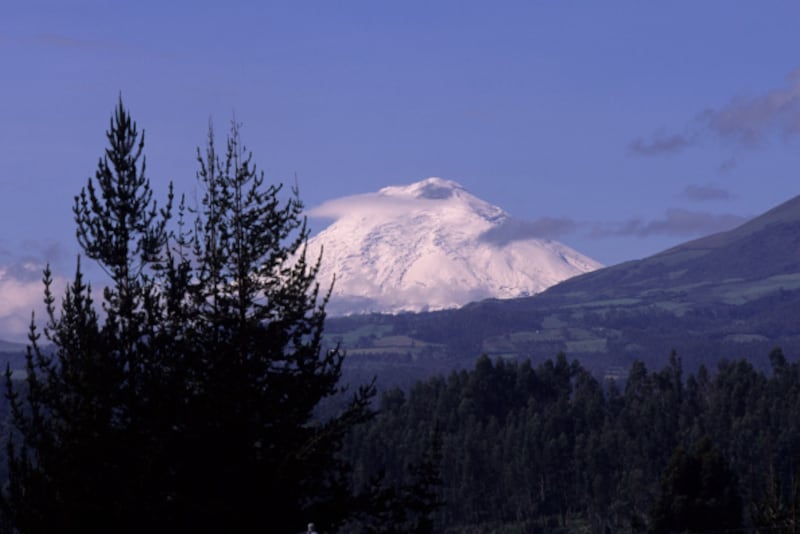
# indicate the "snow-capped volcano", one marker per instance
pixel 427 246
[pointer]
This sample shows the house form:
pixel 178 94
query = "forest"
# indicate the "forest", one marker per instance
pixel 550 448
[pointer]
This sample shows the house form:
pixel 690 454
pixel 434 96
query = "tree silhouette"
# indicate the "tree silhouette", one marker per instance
pixel 188 403
pixel 698 493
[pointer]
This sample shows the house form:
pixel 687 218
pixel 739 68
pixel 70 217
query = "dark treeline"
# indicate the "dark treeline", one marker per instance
pixel 550 448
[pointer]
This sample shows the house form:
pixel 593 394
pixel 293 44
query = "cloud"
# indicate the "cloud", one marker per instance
pixel 367 204
pixel 703 193
pixel 396 200
pixel 749 120
pixel 21 288
pixel 746 121
pixel 676 222
pixel 512 229
pixel 22 292
pixel 36 252
pixel 404 201
pixel 660 144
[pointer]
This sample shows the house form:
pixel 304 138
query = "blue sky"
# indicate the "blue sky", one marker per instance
pixel 619 128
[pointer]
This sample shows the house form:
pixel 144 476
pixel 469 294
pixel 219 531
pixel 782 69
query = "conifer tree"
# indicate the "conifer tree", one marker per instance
pixel 258 372
pixel 698 493
pixel 78 456
pixel 188 403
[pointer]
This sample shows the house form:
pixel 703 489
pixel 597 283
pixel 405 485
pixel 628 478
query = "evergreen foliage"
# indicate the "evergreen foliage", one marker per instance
pixel 698 493
pixel 188 403
pixel 551 449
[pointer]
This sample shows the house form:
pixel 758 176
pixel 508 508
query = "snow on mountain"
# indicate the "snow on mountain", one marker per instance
pixel 431 245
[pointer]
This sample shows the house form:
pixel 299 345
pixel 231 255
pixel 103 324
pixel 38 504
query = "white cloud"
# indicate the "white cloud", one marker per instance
pixel 368 205
pixel 21 293
pixel 18 297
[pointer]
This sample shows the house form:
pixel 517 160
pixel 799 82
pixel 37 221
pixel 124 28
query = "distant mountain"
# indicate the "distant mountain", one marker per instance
pixel 729 295
pixel 10 346
pixel 755 258
pixel 432 245
pixel 13 354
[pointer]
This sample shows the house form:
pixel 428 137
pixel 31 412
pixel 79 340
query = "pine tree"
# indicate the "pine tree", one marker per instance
pixel 698 493
pixel 77 457
pixel 189 403
pixel 258 373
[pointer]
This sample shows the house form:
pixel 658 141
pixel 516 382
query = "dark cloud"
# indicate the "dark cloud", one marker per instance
pixel 748 120
pixel 745 120
pixel 703 193
pixel 676 222
pixel 660 144
pixel 511 230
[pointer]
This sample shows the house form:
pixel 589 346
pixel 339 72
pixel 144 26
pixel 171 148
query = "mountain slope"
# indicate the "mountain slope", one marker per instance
pixel 729 295
pixel 431 245
pixel 762 252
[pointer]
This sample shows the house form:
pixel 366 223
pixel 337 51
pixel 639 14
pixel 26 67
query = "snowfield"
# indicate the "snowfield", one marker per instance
pixel 431 245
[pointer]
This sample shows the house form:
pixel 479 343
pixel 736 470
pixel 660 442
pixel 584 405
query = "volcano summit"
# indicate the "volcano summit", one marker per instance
pixel 431 245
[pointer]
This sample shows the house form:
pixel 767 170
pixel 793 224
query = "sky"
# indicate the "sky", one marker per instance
pixel 618 128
